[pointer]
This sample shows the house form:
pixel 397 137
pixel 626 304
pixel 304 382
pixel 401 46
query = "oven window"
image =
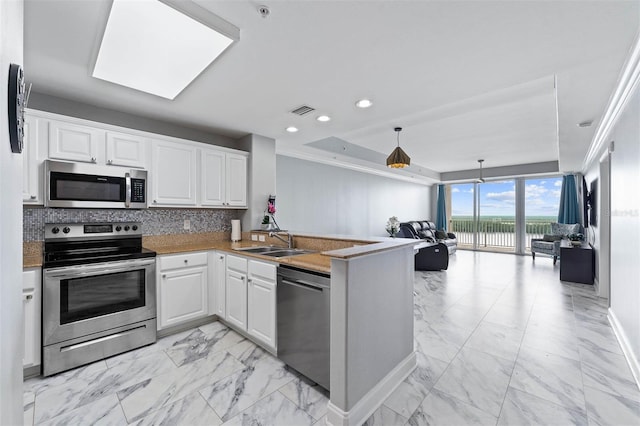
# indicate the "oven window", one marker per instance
pixel 89 297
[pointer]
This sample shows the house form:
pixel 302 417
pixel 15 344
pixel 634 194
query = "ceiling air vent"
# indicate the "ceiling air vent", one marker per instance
pixel 303 110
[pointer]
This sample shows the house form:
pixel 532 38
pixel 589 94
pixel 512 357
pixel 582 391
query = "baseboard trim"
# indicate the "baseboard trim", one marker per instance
pixel 186 326
pixel 29 372
pixel 373 399
pixel 634 365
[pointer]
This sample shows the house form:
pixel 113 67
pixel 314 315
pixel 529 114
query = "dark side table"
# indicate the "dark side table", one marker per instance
pixel 576 262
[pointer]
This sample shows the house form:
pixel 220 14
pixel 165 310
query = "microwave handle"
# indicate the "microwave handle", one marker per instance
pixel 127 200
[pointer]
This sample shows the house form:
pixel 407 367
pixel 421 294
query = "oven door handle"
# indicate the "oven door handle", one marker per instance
pixel 96 269
pixel 127 180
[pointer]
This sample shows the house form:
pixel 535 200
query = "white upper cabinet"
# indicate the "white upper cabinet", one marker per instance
pixel 212 172
pixel 182 173
pixel 126 150
pixel 35 131
pixel 173 174
pixel 224 179
pixel 236 180
pixel 74 142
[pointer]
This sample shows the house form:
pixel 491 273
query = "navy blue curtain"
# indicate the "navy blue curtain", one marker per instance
pixel 569 208
pixel 441 216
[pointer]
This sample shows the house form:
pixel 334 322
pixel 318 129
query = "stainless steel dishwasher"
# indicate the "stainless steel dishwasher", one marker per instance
pixel 303 322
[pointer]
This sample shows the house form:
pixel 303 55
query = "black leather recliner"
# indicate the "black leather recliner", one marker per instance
pixel 448 238
pixel 434 256
pixel 426 230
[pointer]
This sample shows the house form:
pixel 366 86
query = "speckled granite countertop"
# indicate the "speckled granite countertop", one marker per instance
pixel 32 254
pixel 170 244
pixel 327 247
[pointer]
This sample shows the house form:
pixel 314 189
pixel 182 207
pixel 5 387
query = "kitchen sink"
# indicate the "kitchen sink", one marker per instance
pixel 258 250
pixel 286 252
pixel 274 251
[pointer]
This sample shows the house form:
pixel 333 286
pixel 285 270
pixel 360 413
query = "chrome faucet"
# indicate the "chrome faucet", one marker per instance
pixel 289 239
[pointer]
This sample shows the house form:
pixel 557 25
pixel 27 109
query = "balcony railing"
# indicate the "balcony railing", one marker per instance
pixel 496 232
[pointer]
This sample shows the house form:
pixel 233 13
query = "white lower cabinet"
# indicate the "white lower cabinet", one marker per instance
pixel 236 291
pixel 31 294
pixel 261 302
pixel 251 298
pixel 217 284
pixel 182 288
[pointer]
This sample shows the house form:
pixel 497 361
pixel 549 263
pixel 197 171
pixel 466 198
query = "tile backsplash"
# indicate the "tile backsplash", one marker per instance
pixel 154 221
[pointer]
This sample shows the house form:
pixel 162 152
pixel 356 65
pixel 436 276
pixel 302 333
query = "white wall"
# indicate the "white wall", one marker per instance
pixel 323 199
pixel 625 226
pixel 261 177
pixel 11 325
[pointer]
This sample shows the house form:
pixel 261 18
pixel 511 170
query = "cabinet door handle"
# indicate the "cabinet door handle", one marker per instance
pixel 164 275
pixel 221 257
pixel 33 197
pixel 109 161
pixel 242 278
pixel 155 201
pixel 186 261
pixel 93 159
pixel 28 296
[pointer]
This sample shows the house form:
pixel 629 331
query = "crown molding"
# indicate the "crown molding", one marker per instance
pixel 625 86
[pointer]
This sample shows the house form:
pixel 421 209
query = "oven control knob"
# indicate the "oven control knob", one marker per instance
pixel 66 229
pixel 55 230
pixel 134 227
pixel 126 227
pixel 118 228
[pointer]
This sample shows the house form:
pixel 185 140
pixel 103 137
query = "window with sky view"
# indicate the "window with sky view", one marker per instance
pixel 497 208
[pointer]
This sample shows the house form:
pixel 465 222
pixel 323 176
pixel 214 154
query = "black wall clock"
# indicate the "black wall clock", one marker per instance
pixel 16 107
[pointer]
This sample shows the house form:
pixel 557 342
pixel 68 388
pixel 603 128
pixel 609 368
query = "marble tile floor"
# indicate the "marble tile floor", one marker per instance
pixel 499 340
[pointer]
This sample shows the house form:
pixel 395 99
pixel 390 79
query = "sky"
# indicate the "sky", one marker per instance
pixel 498 198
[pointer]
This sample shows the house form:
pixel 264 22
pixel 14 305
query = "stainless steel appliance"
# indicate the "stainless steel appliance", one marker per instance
pixel 99 294
pixel 303 322
pixel 76 185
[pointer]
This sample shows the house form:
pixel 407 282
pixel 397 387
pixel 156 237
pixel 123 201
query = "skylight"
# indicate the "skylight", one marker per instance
pixel 152 47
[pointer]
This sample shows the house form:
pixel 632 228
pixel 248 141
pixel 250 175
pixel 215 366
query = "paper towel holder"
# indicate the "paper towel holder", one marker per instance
pixel 236 232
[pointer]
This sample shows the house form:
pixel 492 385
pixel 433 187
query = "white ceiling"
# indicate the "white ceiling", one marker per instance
pixel 465 79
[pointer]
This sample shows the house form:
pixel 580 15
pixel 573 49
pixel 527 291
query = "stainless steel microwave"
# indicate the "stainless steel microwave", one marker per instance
pixel 78 185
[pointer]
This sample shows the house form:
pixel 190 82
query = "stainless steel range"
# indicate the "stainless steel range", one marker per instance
pixel 99 295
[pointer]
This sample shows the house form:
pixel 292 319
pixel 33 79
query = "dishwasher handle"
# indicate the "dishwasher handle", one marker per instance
pixel 302 284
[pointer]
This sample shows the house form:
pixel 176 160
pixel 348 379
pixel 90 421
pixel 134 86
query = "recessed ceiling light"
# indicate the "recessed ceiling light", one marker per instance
pixel 323 118
pixel 291 129
pixel 152 47
pixel 364 103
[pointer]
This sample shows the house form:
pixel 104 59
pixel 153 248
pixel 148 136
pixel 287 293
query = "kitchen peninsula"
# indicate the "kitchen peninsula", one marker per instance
pixel 371 313
pixel 371 322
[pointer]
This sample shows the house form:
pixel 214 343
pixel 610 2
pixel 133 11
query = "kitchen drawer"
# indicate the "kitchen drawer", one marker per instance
pixel 182 260
pixel 236 263
pixel 262 269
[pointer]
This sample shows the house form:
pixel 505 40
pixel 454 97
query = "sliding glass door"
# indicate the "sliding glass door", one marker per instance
pixel 503 215
pixel 462 219
pixel 496 216
pixel 542 200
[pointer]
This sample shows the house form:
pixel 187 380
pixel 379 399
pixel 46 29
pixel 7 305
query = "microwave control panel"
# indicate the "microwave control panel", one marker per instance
pixel 137 190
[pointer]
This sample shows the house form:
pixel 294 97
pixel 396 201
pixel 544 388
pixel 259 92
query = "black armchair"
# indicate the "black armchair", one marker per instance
pixel 432 255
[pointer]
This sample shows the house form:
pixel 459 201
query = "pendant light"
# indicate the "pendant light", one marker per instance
pixel 480 179
pixel 398 158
